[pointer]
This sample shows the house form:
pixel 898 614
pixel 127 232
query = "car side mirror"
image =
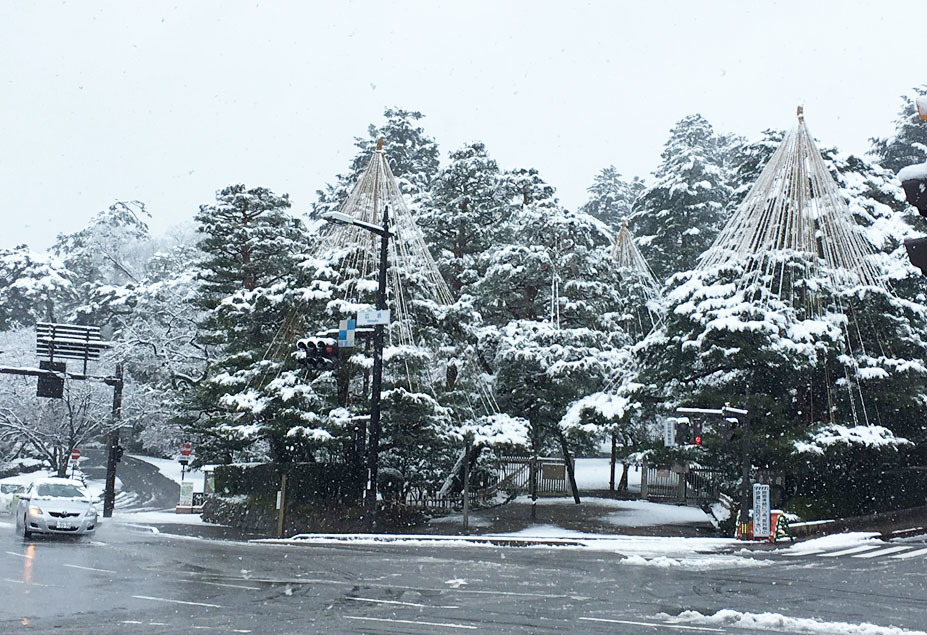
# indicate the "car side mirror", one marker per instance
pixel 25 497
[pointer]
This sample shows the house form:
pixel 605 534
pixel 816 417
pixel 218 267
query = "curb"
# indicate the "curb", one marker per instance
pixel 417 539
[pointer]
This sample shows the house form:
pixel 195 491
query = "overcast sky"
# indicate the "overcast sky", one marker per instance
pixel 166 102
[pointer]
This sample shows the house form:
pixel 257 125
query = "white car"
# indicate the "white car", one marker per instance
pixel 8 493
pixel 56 506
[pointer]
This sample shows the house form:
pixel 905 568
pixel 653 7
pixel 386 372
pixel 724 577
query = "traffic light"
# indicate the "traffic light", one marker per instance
pixel 697 432
pixel 914 181
pixel 118 451
pixel 317 352
pixel 917 252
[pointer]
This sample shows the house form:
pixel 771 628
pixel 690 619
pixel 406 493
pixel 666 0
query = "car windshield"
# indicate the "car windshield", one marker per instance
pixel 59 490
pixel 11 488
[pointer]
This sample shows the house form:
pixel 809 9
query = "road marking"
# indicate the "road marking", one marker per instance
pixel 20 555
pixel 422 606
pixel 233 586
pixel 655 625
pixel 881 552
pixel 77 566
pixel 24 582
pixel 385 619
pixel 148 597
pixel 911 554
pixel 847 552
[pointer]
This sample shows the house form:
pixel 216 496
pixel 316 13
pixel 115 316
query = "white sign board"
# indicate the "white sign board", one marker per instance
pixel 669 432
pixel 186 494
pixel 761 523
pixel 372 317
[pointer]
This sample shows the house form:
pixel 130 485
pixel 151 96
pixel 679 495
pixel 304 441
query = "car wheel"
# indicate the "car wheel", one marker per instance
pixel 26 533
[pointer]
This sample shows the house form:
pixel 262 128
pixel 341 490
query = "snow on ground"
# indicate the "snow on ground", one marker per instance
pixel 158 518
pixel 172 468
pixel 457 519
pixel 833 542
pixel 594 474
pixel 645 514
pixel 778 623
pixel 633 513
pixel 661 552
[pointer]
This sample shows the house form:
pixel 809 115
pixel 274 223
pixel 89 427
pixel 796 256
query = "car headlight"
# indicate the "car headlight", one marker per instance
pixel 35 511
pixel 90 512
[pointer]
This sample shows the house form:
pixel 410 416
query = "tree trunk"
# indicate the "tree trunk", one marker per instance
pixel 611 464
pixel 565 449
pixel 623 483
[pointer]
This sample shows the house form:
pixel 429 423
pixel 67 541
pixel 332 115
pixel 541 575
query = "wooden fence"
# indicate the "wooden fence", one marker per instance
pixel 679 484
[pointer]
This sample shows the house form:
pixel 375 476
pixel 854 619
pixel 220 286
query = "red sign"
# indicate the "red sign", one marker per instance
pixel 75 454
pixel 186 449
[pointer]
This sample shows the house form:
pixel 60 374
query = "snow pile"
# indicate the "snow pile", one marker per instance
pixel 871 436
pixel 778 623
pixel 697 562
pixel 834 542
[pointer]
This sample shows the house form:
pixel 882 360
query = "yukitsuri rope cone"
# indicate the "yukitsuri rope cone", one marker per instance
pixel 358 251
pixel 794 231
pixel 795 210
pixel 635 272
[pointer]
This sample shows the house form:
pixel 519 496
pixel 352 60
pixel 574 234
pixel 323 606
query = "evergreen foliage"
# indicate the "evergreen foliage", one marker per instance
pixel 678 217
pixel 611 198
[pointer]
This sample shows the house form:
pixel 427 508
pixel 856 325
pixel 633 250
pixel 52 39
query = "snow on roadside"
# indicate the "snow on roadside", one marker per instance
pixel 662 552
pixel 633 513
pixel 778 623
pixel 158 518
pixel 833 542
pixel 172 469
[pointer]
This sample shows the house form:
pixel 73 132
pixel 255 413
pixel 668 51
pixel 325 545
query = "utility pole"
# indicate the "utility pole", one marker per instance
pixel 468 445
pixel 746 493
pixel 109 494
pixel 373 446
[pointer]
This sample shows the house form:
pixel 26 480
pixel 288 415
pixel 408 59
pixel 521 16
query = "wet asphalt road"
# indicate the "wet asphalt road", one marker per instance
pixel 124 580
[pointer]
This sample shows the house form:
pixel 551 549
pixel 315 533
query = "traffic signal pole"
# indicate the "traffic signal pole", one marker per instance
pixel 109 494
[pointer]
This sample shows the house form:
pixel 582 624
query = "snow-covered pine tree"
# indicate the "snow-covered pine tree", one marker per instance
pixel 678 217
pixel 550 301
pixel 253 397
pixel 908 144
pixel 611 197
pixel 798 326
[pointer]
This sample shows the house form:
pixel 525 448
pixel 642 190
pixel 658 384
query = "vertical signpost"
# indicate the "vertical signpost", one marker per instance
pixel 761 511
pixel 186 449
pixel 186 487
pixel 669 432
pixel 75 457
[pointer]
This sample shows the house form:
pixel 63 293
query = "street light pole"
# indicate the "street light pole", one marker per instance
pixel 373 446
